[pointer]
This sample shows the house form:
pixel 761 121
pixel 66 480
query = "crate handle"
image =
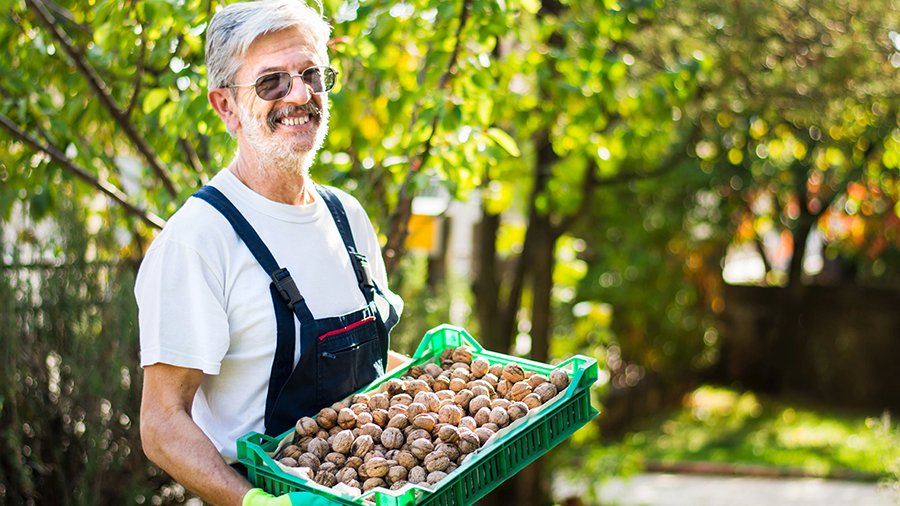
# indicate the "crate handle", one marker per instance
pixel 445 336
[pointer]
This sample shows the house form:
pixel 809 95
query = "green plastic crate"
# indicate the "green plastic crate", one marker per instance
pixel 485 470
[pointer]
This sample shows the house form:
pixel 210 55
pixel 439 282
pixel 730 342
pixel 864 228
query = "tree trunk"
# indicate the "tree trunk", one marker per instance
pixel 486 287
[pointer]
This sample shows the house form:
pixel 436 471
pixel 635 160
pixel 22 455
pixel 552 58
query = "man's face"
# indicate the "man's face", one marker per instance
pixel 290 130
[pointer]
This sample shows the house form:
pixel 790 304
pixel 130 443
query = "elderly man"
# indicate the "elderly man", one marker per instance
pixel 265 297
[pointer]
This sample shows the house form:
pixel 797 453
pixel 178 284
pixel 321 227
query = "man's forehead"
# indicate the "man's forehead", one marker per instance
pixel 288 49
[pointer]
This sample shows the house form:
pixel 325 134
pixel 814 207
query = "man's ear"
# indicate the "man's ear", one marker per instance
pixel 222 101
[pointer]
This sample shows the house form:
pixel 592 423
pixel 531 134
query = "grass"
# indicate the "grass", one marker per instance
pixel 722 426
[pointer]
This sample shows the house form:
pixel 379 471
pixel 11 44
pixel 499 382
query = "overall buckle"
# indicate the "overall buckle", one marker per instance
pixel 286 287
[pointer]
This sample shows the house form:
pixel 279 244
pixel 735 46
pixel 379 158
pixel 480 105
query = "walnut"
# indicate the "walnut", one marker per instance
pixel 303 444
pixel 478 402
pixel 448 434
pixel 451 414
pixel 397 485
pixel 347 418
pixel 483 434
pixel 380 416
pixel 339 405
pixel 377 467
pixel 430 400
pixel 463 398
pixel 533 400
pixel 450 450
pixel 460 373
pixel 334 431
pixel 379 401
pixel 346 474
pixel 479 367
pixel 442 382
pixel 435 476
pixel 323 434
pixel 292 451
pixel 288 461
pixel 319 447
pixel 417 433
pixel 546 391
pixel 467 422
pixel 496 370
pixel 517 410
pixel 446 354
pixel 415 409
pixel 325 478
pixel 518 391
pixel 536 379
pixel 483 416
pixel 457 384
pixel 406 459
pixel 500 403
pixel 468 442
pixel 338 459
pixel 415 386
pixel 305 426
pixel 354 483
pixel 354 462
pixel 372 483
pixel 397 409
pixel 503 387
pixel 445 395
pixel 421 447
pixel 399 421
pixel 392 438
pixel 436 462
pixel 484 390
pixel 308 460
pixel 433 370
pixel 417 475
pixel 492 426
pixel 500 416
pixel 513 373
pixel 401 399
pixel 364 418
pixel 371 429
pixel 491 380
pixel 462 354
pixel 342 441
pixel 560 379
pixel 397 473
pixel 360 407
pixel 359 398
pixel 425 421
pixel 327 418
pixel 414 371
pixel 362 445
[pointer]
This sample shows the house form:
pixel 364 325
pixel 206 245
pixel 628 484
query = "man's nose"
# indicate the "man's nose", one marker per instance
pixel 300 92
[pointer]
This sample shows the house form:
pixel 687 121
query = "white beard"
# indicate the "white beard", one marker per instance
pixel 274 157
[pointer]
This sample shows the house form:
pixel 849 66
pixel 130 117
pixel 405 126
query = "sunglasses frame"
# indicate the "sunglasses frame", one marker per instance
pixel 255 83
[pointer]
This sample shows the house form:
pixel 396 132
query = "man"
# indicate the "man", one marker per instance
pixel 265 297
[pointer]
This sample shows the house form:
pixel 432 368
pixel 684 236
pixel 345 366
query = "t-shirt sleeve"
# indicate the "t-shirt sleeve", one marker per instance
pixel 181 311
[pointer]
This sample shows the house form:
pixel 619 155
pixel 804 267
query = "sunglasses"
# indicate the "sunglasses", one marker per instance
pixel 277 85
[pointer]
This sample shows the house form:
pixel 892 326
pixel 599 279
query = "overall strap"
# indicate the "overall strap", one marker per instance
pixel 285 295
pixel 359 261
pixel 282 279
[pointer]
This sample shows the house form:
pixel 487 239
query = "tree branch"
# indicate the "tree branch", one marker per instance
pixel 399 221
pixel 102 91
pixel 104 186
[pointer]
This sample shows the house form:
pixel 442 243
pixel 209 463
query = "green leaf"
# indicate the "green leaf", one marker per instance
pixel 154 99
pixel 504 140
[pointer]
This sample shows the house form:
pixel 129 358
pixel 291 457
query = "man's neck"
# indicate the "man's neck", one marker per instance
pixel 274 183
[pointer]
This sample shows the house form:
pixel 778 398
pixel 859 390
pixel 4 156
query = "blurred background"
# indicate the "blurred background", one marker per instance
pixel 702 195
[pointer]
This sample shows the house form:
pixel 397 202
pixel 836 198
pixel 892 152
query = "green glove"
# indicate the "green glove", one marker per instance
pixel 259 497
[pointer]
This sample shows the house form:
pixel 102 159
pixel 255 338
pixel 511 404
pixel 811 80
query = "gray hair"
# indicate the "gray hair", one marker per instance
pixel 234 28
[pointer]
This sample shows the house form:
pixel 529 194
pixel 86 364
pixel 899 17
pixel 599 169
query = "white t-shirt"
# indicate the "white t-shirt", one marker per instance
pixel 204 301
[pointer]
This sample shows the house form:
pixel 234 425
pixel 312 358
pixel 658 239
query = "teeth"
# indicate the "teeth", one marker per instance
pixel 295 121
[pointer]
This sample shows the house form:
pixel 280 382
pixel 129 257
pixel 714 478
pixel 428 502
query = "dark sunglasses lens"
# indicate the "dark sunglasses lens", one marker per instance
pixel 320 79
pixel 273 86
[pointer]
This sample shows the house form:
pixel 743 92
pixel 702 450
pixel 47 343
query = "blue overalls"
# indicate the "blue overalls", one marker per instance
pixel 338 355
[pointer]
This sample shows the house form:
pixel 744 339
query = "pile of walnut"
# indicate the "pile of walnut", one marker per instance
pixel 418 428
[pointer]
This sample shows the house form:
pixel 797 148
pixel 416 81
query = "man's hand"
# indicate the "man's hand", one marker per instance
pixel 259 497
